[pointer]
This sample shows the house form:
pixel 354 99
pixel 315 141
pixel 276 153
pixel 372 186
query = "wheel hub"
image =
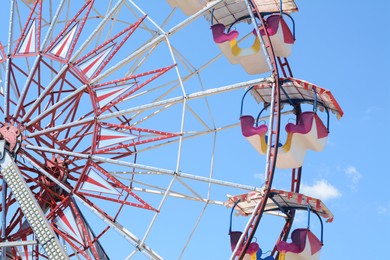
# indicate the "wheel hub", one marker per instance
pixel 12 135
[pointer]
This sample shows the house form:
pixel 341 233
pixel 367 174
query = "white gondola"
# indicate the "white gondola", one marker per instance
pixel 304 245
pixel 309 133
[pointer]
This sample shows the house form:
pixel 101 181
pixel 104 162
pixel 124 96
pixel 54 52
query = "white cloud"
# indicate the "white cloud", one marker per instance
pixel 321 189
pixel 382 210
pixel 354 175
pixel 369 111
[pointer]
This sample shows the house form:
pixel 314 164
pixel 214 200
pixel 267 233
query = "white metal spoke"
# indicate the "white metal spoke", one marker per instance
pixel 166 102
pixel 142 167
pixel 200 94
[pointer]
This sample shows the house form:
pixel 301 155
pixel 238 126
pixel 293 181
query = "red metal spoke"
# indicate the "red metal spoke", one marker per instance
pixel 136 141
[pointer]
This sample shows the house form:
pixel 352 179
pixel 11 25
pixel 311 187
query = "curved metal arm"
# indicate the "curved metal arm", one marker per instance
pixel 238 20
pixel 322 227
pixel 243 97
pixel 261 111
pixel 231 216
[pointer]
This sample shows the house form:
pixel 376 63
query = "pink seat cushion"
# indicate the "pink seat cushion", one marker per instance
pixel 305 123
pixel 273 26
pixel 298 243
pixel 219 34
pixel 248 128
pixel 235 237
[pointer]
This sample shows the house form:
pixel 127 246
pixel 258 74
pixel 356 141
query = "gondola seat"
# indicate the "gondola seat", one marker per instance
pixel 304 246
pixel 280 35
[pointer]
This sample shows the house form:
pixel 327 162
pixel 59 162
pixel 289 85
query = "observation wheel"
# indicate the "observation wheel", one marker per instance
pixel 109 138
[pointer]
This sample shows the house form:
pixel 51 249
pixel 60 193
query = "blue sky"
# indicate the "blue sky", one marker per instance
pixel 340 46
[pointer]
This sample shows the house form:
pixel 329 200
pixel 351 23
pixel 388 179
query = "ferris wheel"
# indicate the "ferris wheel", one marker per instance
pixel 111 135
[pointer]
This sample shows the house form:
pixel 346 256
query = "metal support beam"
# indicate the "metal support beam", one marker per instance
pixel 18 243
pixel 31 209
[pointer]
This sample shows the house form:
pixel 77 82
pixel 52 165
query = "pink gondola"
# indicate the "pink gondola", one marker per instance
pixel 309 133
pixel 304 244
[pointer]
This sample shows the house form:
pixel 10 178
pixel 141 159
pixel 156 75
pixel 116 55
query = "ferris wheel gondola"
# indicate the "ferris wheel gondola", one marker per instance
pixel 305 244
pixel 309 132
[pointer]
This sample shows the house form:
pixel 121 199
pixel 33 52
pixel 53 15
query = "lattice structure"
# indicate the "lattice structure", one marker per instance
pixel 110 129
